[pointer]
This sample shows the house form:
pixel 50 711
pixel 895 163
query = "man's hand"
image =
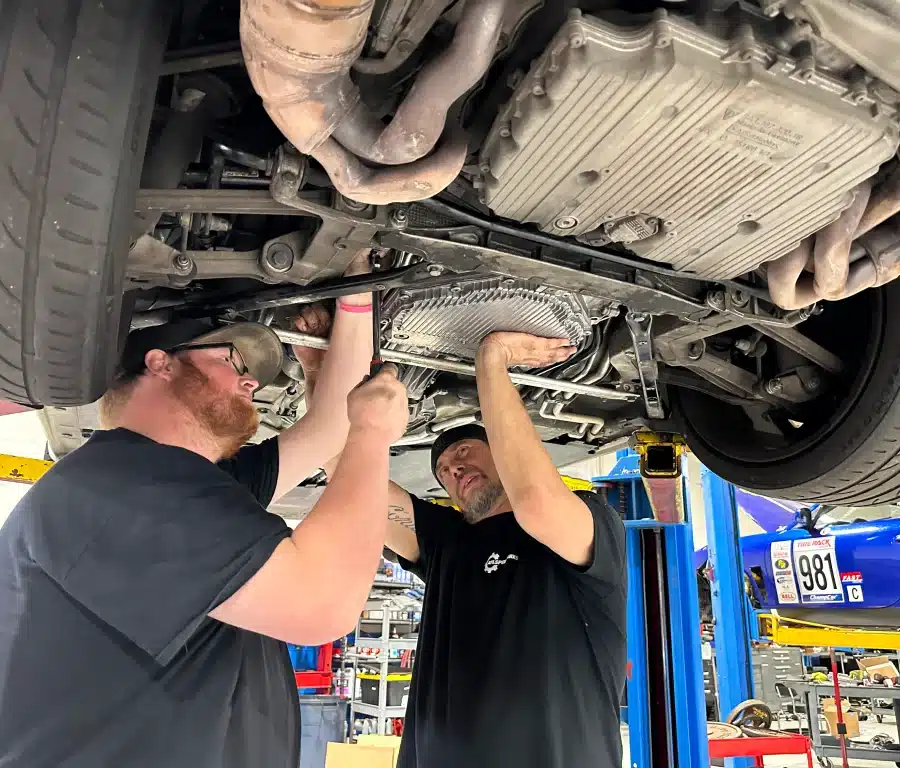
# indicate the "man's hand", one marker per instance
pixel 379 405
pixel 315 320
pixel 514 348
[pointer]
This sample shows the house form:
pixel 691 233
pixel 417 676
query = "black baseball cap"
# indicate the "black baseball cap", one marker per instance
pixel 258 344
pixel 451 436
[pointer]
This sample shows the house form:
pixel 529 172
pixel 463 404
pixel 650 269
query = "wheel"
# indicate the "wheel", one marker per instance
pixel 846 449
pixel 825 762
pixel 751 713
pixel 77 84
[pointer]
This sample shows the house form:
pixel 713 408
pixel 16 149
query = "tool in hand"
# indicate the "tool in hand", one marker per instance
pixel 377 363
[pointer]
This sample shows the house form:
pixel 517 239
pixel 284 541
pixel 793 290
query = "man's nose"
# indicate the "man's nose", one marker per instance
pixel 249 383
pixel 457 470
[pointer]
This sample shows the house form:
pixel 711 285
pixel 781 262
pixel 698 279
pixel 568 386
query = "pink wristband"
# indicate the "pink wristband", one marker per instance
pixel 354 307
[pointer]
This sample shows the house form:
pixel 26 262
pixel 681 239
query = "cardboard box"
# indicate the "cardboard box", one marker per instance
pixel 359 756
pixel 851 719
pixel 383 742
pixel 878 665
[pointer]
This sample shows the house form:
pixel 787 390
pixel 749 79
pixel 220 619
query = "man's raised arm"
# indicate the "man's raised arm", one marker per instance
pixel 322 432
pixel 545 508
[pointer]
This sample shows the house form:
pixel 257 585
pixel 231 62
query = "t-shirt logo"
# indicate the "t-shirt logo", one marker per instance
pixel 494 562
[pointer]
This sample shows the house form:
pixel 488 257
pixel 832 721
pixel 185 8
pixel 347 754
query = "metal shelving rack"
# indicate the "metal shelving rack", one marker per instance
pixel 381 711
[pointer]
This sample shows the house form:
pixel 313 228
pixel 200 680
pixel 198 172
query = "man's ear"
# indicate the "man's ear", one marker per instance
pixel 160 364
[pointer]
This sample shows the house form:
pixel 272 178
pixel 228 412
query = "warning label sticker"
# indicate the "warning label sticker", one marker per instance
pixel 783 572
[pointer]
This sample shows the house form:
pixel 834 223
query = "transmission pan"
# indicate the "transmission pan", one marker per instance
pixel 452 320
pixel 708 154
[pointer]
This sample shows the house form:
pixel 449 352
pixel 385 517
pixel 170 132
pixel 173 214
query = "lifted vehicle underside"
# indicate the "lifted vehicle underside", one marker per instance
pixel 701 196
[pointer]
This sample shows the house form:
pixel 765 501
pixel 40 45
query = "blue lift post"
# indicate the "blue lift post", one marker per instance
pixel 666 711
pixel 729 603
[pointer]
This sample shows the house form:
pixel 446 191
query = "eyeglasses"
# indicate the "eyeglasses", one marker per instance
pixel 235 357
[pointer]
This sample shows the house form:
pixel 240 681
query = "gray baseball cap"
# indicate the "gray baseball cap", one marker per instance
pixel 258 344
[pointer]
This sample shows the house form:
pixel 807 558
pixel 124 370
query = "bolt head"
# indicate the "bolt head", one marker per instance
pixel 182 263
pixel 279 257
pixel 740 298
pixel 716 299
pixel 774 386
pixel 813 382
pixel 405 46
pixel 566 222
pixel 435 270
pixel 696 349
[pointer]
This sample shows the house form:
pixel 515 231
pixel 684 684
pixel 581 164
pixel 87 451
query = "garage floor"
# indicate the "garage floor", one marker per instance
pixel 867 730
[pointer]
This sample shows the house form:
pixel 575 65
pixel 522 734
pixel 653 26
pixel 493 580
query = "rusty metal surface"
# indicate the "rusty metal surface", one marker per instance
pixel 846 257
pixel 419 121
pixel 399 184
pixel 831 253
pixel 299 55
pixel 883 203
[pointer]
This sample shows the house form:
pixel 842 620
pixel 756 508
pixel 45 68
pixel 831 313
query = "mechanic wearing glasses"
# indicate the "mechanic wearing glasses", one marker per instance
pixel 145 592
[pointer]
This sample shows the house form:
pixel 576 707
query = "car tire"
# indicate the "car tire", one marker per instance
pixel 857 460
pixel 77 86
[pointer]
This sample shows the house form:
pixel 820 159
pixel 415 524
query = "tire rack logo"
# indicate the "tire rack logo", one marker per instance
pixel 494 562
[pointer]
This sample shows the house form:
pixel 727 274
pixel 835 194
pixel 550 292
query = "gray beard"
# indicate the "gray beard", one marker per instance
pixel 482 503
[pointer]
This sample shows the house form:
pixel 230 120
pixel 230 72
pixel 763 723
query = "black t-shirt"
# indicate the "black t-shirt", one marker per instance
pixel 109 566
pixel 521 655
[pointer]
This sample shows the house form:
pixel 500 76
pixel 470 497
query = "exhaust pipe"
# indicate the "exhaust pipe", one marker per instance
pixel 299 54
pixel 855 252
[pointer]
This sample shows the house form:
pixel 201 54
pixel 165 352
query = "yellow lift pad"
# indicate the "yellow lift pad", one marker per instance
pixel 18 469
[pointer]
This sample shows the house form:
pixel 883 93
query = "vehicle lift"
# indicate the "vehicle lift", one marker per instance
pixel 666 708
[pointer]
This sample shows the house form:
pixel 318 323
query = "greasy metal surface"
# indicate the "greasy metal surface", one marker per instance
pixel 257 201
pixel 418 122
pixel 467 369
pixel 398 184
pixel 884 202
pixel 868 31
pixel 737 152
pixel 843 267
pixel 423 18
pixel 795 340
pixel 831 254
pixel 464 257
pixel 453 319
pixel 461 215
pixel 151 262
pixel 639 325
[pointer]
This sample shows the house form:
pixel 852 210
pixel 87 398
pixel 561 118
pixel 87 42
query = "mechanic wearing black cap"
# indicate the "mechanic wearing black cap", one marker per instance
pixel 144 590
pixel 521 653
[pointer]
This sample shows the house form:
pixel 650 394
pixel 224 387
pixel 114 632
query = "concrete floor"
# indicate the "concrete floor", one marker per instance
pixel 867 730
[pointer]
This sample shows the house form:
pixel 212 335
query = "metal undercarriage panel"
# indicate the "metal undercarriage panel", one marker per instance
pixel 713 155
pixel 452 320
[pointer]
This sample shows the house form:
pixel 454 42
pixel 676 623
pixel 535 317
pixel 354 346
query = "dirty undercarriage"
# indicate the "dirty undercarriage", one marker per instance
pixel 697 198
